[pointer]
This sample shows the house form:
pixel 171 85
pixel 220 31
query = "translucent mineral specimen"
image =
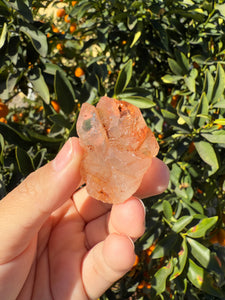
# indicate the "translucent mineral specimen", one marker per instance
pixel 118 149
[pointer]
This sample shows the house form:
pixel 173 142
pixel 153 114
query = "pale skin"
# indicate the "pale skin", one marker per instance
pixel 59 243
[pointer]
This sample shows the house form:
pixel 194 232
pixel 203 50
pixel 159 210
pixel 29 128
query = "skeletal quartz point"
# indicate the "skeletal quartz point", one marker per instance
pixel 118 149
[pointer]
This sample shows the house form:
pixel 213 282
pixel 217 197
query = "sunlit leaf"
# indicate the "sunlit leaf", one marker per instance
pixel 203 280
pixel 219 84
pixel 3 35
pixel 36 78
pixel 38 38
pixel 180 261
pixel 200 252
pixel 160 277
pixel 207 154
pixel 175 68
pixel 167 209
pixel 182 223
pixel 208 85
pixel 200 230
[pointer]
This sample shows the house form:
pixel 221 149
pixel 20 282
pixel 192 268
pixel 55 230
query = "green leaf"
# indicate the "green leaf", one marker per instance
pixel 200 230
pixel 51 68
pixel 208 85
pixel 203 280
pixel 182 223
pixel 124 78
pixel 60 120
pixel 138 101
pixel 131 21
pixel 37 38
pixel 175 67
pixel 2 146
pixel 219 121
pixel 64 92
pixel 24 161
pixel 160 278
pixel 80 9
pixel 137 34
pixel 183 61
pixel 202 109
pixel 3 35
pixel 219 85
pixel 168 114
pixel 207 154
pixel 221 9
pixel 21 7
pixel 164 246
pixel 39 85
pixel 181 260
pixel 14 136
pixel 44 140
pixel 190 83
pixel 200 252
pixel 167 210
pixel 217 137
pixel 171 78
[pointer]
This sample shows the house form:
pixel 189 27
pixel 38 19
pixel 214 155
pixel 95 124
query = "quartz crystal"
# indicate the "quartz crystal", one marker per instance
pixel 118 149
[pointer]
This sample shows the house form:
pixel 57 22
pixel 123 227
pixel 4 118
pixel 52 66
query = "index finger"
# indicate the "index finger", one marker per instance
pixel 154 182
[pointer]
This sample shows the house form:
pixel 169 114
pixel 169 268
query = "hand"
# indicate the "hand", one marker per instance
pixel 60 244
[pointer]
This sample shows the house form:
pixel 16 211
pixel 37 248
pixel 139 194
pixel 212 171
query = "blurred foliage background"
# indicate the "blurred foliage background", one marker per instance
pixel 166 57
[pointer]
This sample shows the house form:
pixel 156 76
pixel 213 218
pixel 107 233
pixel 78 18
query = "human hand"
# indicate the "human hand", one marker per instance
pixel 59 243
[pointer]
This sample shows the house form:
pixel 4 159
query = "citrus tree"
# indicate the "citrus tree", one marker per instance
pixel 166 57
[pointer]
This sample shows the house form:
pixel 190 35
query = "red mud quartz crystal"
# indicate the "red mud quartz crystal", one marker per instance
pixel 118 149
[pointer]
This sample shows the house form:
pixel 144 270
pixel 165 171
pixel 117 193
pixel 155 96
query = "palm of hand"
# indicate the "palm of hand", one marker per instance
pixel 58 251
pixel 66 260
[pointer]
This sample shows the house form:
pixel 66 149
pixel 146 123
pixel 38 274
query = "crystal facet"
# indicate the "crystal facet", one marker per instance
pixel 118 149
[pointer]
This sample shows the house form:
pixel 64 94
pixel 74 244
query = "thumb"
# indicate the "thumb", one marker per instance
pixel 24 210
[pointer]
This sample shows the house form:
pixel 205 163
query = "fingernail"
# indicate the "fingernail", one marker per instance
pixel 64 156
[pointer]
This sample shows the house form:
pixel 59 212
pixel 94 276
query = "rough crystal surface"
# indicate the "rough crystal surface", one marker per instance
pixel 118 149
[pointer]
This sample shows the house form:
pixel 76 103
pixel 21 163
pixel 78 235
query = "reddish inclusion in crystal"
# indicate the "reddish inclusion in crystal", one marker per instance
pixel 118 149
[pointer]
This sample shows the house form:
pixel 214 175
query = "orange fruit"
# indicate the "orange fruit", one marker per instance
pixel 40 108
pixel 191 147
pixel 60 12
pixel 214 239
pixel 136 261
pixel 60 47
pixel 73 27
pixel 196 65
pixel 55 29
pixel 3 110
pixel 219 126
pixel 48 130
pixel 174 100
pixel 74 2
pixel 79 72
pixel 150 249
pixel 67 18
pixel 141 285
pixel 55 106
pixel 3 120
pixel 221 236
pixel 15 118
